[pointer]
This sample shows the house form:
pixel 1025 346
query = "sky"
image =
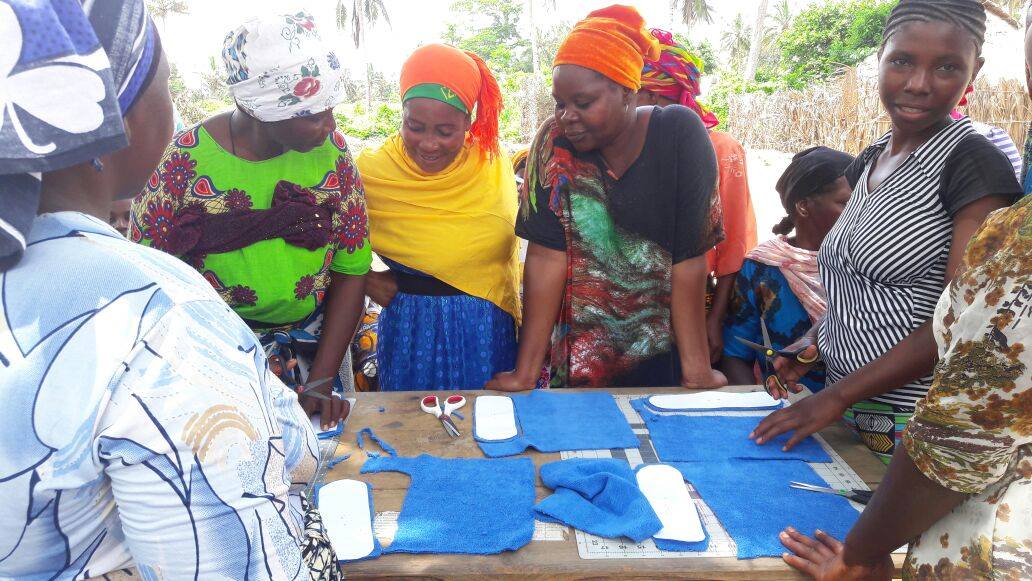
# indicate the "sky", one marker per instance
pixel 192 39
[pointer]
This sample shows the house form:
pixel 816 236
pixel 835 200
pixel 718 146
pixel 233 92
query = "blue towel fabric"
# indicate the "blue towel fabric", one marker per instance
pixel 753 501
pixel 600 497
pixel 550 421
pixel 468 506
pixel 703 438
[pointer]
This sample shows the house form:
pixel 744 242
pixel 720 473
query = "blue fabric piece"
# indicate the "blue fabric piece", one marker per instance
pixel 598 496
pixel 440 343
pixel 551 421
pixel 754 502
pixel 377 548
pixel 360 438
pixel 468 506
pixel 762 291
pixel 705 438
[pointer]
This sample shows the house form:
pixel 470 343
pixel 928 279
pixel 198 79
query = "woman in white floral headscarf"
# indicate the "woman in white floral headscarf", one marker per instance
pixel 264 201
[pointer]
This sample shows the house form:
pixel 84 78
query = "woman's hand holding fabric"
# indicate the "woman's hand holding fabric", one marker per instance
pixel 790 370
pixel 330 411
pixel 803 418
pixel 381 287
pixel 822 558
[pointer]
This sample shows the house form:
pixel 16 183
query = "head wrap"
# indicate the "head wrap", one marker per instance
pixel 968 15
pixel 675 75
pixel 612 41
pixel 70 74
pixel 810 170
pixel 461 79
pixel 278 68
pixel 520 157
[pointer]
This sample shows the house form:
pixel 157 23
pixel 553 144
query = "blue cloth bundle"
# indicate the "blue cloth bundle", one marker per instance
pixel 705 438
pixel 754 502
pixel 600 497
pixel 468 506
pixel 550 421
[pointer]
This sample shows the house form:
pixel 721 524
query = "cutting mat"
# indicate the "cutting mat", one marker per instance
pixel 837 474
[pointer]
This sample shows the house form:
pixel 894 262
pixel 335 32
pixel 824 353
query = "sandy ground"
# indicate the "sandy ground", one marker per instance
pixel 764 167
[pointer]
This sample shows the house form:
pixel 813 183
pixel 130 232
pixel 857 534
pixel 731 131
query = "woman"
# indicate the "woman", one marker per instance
pixel 264 201
pixel 671 79
pixel 442 204
pixel 921 191
pixel 620 209
pixel 141 432
pixel 778 283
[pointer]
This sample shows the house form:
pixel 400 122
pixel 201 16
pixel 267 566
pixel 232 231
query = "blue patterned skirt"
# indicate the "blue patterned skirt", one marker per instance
pixel 443 342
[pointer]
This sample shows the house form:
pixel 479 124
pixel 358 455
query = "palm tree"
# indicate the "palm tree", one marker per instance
pixel 782 17
pixel 759 26
pixel 691 11
pixel 736 39
pixel 364 14
pixel 160 10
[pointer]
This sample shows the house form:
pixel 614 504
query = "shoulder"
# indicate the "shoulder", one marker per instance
pixel 724 142
pixel 977 146
pixel 677 119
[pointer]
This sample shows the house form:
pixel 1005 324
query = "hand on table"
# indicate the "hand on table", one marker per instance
pixel 381 287
pixel 708 377
pixel 804 417
pixel 789 370
pixel 822 558
pixel 510 381
pixel 330 411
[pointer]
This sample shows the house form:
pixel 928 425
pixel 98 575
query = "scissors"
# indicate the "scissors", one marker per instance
pixel 307 390
pixel 861 496
pixel 771 381
pixel 431 404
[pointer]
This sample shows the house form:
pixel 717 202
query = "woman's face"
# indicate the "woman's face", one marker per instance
pixel 589 108
pixel 433 133
pixel 923 70
pixel 302 134
pixel 819 213
pixel 149 127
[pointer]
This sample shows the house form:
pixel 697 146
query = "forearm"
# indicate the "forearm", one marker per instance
pixel 687 312
pixel 912 358
pixel 544 281
pixel 344 304
pixel 722 297
pixel 738 371
pixel 905 505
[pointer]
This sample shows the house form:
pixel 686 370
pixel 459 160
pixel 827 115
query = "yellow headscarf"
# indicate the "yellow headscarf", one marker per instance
pixel 456 225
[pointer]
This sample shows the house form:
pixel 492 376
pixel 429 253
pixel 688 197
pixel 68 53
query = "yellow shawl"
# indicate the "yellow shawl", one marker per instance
pixel 456 225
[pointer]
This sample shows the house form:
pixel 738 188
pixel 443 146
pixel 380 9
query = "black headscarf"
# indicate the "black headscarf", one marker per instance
pixel 810 171
pixel 72 73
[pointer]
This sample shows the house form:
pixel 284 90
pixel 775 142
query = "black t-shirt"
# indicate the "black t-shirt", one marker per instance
pixel 668 195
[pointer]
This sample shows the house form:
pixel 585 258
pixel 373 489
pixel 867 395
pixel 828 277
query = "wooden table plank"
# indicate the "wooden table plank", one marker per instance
pixel 398 420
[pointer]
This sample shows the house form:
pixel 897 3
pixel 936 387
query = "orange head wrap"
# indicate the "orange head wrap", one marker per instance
pixel 466 78
pixel 612 41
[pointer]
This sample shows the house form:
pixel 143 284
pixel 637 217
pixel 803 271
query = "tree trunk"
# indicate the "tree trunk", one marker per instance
pixel 757 42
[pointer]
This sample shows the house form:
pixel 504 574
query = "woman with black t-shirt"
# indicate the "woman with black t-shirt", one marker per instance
pixel 619 207
pixel 920 193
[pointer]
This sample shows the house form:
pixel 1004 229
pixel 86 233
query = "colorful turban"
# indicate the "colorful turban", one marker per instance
pixel 612 41
pixel 70 72
pixel 520 157
pixel 461 79
pixel 675 75
pixel 278 68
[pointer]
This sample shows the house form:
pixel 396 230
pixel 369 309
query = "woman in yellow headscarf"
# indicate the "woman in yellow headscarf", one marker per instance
pixel 442 208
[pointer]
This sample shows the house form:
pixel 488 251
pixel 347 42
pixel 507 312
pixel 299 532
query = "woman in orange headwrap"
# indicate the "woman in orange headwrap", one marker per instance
pixel 442 204
pixel 620 208
pixel 673 79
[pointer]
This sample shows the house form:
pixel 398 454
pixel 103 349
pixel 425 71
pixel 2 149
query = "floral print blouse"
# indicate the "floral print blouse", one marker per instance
pixel 973 432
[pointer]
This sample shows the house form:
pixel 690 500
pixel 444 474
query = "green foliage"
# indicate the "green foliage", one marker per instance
pixel 491 29
pixel 827 37
pixel 384 121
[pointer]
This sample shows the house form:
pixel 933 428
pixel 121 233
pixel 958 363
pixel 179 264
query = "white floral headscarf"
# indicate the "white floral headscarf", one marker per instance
pixel 278 68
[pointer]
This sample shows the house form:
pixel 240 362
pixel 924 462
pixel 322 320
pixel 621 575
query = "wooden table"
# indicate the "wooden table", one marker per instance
pixel 412 432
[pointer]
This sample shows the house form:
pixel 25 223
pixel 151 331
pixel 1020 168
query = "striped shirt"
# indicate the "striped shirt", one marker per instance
pixel 1003 142
pixel 883 264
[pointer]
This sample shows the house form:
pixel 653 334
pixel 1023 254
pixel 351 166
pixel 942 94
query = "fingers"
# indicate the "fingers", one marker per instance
pixel 805 555
pixel 834 545
pixel 775 424
pixel 798 435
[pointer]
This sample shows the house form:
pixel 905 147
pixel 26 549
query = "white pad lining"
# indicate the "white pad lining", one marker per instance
pixel 344 506
pixel 713 400
pixel 665 490
pixel 494 418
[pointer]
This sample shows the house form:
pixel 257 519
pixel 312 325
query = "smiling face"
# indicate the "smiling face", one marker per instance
pixel 589 108
pixel 433 133
pixel 923 70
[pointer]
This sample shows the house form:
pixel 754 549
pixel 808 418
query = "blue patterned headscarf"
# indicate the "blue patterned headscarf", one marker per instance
pixel 69 73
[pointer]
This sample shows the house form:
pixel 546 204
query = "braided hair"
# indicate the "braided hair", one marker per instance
pixel 968 15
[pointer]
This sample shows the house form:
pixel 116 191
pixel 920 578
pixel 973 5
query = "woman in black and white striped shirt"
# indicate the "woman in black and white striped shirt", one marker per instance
pixel 920 193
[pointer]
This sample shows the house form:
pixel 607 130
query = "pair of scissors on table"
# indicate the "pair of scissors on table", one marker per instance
pixel 861 496
pixel 431 404
pixel 308 390
pixel 771 381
